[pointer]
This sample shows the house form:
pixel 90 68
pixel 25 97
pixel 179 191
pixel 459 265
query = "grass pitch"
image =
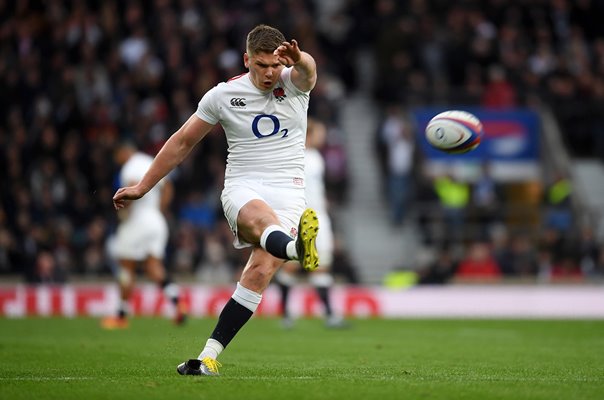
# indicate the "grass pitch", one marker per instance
pixel 375 359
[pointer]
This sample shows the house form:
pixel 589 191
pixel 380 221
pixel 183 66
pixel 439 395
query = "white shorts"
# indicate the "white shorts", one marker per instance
pixel 142 235
pixel 287 202
pixel 325 239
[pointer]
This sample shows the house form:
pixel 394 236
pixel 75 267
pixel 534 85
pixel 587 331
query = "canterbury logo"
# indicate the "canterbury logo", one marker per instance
pixel 238 102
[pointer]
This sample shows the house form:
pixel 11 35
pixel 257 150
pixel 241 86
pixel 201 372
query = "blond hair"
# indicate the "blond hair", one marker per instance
pixel 263 39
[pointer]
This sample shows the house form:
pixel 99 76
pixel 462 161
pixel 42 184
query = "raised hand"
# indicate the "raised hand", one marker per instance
pixel 288 53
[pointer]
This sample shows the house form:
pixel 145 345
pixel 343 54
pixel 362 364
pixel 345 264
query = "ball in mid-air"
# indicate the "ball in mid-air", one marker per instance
pixel 454 132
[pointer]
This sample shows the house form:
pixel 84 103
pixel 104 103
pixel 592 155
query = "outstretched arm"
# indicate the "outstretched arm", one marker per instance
pixel 174 151
pixel 304 74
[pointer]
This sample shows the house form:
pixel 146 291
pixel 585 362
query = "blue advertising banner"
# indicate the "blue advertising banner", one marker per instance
pixel 508 136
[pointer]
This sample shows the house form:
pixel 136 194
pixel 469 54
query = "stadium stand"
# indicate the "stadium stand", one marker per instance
pixel 77 77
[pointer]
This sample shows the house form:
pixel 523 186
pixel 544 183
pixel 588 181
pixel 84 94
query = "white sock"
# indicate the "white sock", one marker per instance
pixel 292 253
pixel 212 349
pixel 246 297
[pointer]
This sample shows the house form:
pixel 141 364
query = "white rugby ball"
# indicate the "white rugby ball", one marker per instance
pixel 454 132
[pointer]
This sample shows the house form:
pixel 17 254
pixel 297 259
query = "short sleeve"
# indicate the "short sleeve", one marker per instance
pixel 207 108
pixel 286 78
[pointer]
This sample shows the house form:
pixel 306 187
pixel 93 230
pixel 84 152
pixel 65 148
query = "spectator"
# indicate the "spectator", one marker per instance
pixel 523 260
pixel 478 264
pixel 486 201
pixel 336 167
pixel 46 270
pixel 395 136
pixel 442 270
pixel 8 255
pixel 499 92
pixel 589 251
pixel 566 270
pixel 454 198
pixel 557 203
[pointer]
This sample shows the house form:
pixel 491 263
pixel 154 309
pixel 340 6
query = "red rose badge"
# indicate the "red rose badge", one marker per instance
pixel 279 94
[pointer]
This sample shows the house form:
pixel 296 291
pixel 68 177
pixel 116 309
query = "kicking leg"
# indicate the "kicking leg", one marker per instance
pixel 258 224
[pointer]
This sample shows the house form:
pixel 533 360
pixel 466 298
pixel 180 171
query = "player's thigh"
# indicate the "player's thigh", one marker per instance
pixel 234 197
pixel 253 218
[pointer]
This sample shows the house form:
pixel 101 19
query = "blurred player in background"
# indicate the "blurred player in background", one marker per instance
pixel 321 278
pixel 263 113
pixel 141 236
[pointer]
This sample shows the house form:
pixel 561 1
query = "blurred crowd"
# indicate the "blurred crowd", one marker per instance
pixel 78 77
pixel 498 54
pixel 494 54
pixel 492 241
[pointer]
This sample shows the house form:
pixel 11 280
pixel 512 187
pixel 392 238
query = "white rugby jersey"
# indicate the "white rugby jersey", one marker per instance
pixel 132 172
pixel 265 130
pixel 315 183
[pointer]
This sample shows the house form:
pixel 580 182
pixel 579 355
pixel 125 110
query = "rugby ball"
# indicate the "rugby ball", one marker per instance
pixel 454 132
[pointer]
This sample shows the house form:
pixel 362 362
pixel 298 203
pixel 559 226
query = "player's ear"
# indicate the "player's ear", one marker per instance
pixel 246 60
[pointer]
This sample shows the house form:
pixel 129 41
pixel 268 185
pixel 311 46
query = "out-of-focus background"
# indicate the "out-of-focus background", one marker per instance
pixel 526 208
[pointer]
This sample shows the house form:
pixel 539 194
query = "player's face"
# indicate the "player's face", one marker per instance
pixel 265 69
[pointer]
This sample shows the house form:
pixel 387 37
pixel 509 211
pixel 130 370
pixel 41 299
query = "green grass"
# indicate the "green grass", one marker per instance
pixel 376 359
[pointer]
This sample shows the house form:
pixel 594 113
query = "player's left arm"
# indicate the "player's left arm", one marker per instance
pixel 304 73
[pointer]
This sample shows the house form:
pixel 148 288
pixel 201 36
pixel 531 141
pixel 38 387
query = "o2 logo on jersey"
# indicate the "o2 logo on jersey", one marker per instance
pixel 265 125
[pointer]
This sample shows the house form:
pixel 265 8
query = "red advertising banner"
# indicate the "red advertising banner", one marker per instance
pixel 455 301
